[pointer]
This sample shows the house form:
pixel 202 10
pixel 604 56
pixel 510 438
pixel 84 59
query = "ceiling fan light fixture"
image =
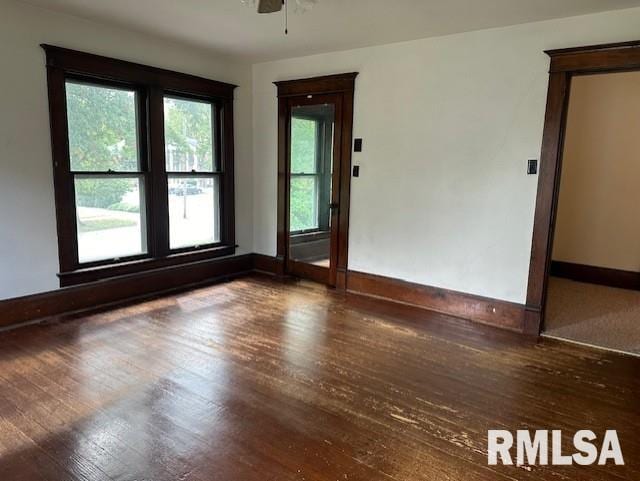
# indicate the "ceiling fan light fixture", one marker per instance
pixel 272 6
pixel 264 6
pixel 269 6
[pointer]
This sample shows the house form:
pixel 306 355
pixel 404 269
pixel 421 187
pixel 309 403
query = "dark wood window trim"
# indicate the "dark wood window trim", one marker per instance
pixel 565 64
pixel 343 85
pixel 151 85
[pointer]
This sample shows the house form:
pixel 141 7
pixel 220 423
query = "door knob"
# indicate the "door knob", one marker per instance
pixel 334 206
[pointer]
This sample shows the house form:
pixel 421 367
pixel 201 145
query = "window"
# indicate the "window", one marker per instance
pixel 105 166
pixel 193 169
pixel 143 166
pixel 304 175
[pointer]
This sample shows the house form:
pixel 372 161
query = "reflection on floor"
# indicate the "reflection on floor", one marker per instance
pixel 322 263
pixel 597 315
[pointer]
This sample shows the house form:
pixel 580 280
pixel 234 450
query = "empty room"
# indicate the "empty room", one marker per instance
pixel 319 240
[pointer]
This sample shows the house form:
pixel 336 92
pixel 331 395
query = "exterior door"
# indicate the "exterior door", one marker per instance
pixel 313 186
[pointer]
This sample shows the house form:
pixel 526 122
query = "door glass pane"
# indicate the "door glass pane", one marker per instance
pixel 188 130
pixel 110 220
pixel 303 146
pixel 194 211
pixel 303 203
pixel 103 132
pixel 311 171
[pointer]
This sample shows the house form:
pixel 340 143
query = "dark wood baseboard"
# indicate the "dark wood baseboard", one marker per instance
pixel 596 275
pixel 122 289
pixel 125 289
pixel 312 272
pixel 268 264
pixel 503 314
pixel 533 318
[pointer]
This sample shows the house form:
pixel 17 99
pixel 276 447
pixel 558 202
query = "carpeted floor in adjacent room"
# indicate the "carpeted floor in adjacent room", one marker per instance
pixel 597 315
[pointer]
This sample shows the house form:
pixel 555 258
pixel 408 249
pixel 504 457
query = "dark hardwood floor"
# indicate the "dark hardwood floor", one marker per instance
pixel 258 380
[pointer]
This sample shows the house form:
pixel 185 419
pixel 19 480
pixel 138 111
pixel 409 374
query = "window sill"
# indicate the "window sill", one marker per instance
pixel 309 236
pixel 91 274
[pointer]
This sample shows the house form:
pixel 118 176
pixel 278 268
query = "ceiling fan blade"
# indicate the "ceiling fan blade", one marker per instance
pixel 269 6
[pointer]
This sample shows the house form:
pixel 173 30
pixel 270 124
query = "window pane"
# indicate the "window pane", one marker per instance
pixel 102 128
pixel 188 130
pixel 303 146
pixel 111 222
pixel 194 207
pixel 304 203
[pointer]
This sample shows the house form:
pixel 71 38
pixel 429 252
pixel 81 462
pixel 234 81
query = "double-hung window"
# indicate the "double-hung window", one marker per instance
pixel 106 171
pixel 193 172
pixel 143 166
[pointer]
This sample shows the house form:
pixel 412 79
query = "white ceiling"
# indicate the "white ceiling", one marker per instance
pixel 228 27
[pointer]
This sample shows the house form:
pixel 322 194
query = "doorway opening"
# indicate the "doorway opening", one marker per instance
pixel 314 174
pixel 594 286
pixel 584 280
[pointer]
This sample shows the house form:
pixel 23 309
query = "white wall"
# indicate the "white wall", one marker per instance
pixel 599 206
pixel 28 245
pixel 448 125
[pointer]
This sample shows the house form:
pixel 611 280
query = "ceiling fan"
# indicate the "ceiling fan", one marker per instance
pixel 273 6
pixel 270 6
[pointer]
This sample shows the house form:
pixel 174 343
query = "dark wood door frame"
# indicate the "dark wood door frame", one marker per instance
pixel 342 85
pixel 565 64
